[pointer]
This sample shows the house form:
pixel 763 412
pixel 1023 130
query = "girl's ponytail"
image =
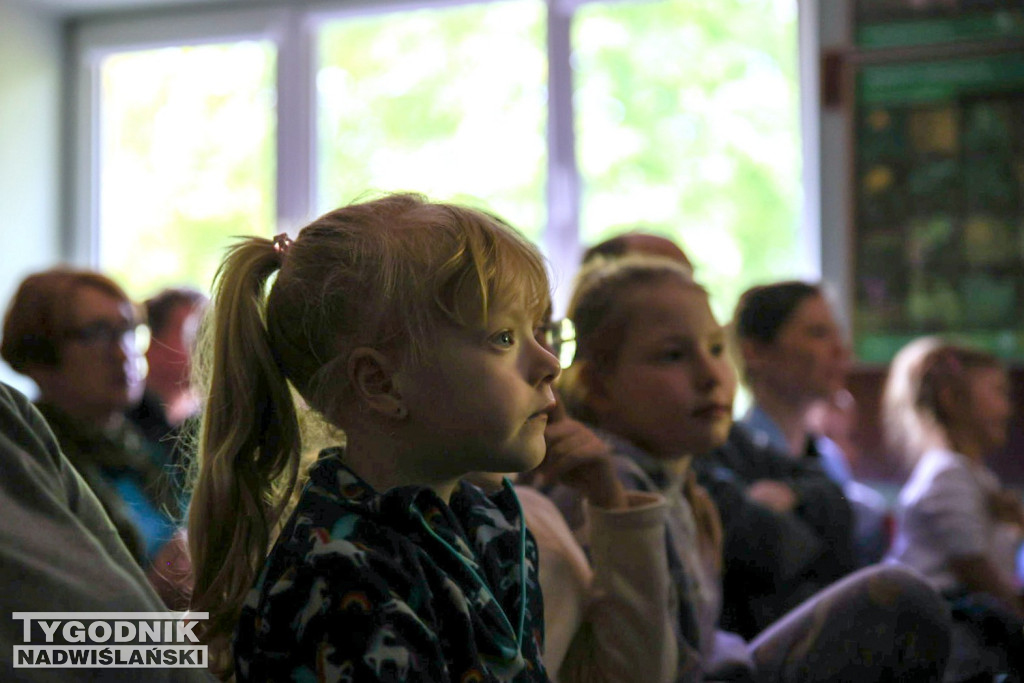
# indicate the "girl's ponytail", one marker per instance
pixel 249 438
pixel 383 273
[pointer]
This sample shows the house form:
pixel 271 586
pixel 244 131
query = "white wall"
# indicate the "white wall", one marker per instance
pixel 825 26
pixel 834 176
pixel 30 182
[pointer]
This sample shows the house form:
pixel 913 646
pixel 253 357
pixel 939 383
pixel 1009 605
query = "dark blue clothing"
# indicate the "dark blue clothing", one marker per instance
pixel 774 560
pixel 398 586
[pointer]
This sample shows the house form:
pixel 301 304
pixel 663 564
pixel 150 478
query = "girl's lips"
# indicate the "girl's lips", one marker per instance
pixel 545 411
pixel 713 411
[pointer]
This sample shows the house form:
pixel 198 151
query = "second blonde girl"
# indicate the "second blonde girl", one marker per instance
pixel 651 373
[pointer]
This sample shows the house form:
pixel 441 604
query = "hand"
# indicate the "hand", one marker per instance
pixel 578 458
pixel 772 494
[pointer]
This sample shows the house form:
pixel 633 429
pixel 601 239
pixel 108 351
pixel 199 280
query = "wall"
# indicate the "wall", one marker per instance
pixel 30 182
pixel 832 20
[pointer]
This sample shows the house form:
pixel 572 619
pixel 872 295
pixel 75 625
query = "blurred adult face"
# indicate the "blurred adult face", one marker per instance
pixel 98 366
pixel 808 359
pixel 169 354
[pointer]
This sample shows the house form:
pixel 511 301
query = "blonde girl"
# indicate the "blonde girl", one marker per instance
pixel 651 373
pixel 410 326
pixel 947 407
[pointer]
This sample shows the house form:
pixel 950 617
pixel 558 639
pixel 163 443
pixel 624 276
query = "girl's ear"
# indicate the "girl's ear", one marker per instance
pixel 372 376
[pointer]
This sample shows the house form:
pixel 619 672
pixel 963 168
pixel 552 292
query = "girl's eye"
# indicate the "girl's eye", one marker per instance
pixel 818 331
pixel 672 355
pixel 717 350
pixel 504 338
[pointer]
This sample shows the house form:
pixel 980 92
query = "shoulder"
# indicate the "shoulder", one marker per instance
pixel 536 506
pixel 637 469
pixel 30 457
pixel 761 426
pixel 940 465
pixel 13 402
pixel 22 426
pixel 941 477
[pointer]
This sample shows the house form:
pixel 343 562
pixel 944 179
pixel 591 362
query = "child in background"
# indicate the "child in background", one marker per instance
pixel 652 374
pixel 411 326
pixel 947 407
pixel 606 617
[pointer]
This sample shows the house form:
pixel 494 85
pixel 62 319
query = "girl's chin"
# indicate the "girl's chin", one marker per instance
pixel 524 462
pixel 713 442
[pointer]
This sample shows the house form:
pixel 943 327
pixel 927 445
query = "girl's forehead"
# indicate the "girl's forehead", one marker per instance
pixel 668 299
pixel 517 305
pixel 671 307
pixel 813 309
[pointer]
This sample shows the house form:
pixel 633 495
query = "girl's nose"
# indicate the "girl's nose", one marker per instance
pixel 547 367
pixel 709 371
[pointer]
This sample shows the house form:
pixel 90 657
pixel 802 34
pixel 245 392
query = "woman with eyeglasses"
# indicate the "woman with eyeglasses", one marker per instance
pixel 76 335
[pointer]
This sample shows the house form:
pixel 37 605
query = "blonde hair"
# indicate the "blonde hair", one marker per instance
pixel 385 273
pixel 913 415
pixel 601 311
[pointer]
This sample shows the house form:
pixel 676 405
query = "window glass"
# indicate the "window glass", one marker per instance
pixel 186 160
pixel 687 117
pixel 449 102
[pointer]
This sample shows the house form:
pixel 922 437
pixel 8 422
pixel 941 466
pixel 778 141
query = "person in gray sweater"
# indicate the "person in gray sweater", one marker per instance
pixel 59 551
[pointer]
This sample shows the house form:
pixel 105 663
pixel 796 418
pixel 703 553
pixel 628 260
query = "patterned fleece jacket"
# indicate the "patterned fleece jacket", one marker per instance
pixel 394 586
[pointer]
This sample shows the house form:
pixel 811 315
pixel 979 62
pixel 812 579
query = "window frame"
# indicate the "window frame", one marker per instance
pixel 292 28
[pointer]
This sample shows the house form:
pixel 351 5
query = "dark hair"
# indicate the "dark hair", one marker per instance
pixel 636 242
pixel 37 317
pixel 762 311
pixel 610 248
pixel 160 306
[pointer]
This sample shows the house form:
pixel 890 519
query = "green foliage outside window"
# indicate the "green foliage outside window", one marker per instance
pixel 187 160
pixel 687 117
pixel 448 102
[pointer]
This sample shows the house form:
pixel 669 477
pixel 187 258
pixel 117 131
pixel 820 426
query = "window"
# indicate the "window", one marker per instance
pixel 680 116
pixel 186 160
pixel 447 102
pixel 687 127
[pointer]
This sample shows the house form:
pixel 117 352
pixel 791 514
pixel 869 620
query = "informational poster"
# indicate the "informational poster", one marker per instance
pixel 903 23
pixel 939 203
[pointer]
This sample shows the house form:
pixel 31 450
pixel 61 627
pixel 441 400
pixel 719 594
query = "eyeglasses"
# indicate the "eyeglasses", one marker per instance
pixel 560 336
pixel 103 334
